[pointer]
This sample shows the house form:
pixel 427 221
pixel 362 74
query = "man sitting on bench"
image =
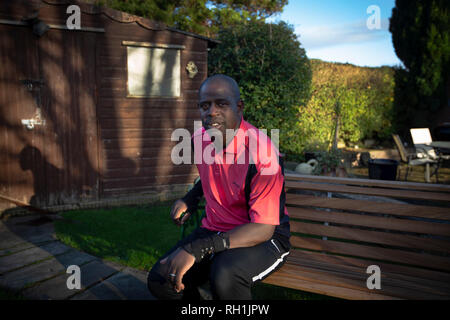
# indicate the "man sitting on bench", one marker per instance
pixel 244 236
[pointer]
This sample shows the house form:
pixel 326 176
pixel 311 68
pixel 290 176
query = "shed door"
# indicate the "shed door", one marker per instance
pixel 48 129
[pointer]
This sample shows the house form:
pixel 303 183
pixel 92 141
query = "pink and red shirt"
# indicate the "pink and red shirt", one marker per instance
pixel 223 178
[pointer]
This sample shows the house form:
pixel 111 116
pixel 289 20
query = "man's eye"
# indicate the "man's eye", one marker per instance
pixel 204 106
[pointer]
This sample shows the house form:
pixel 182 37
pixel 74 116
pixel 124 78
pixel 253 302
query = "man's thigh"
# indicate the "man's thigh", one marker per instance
pixel 249 264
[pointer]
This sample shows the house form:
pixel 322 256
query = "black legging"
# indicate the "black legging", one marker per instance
pixel 231 272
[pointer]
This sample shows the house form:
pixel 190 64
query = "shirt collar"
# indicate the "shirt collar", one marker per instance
pixel 240 139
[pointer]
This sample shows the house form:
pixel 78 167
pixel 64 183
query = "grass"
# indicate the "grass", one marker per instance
pixel 137 236
pixel 133 236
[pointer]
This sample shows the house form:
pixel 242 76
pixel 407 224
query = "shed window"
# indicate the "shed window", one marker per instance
pixel 153 71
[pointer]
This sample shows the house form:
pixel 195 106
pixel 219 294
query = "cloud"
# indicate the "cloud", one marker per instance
pixel 338 34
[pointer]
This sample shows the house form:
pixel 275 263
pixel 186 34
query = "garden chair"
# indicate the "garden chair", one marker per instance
pixel 422 139
pixel 418 158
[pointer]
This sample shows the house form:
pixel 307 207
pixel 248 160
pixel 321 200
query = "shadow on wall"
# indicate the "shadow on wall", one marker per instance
pixel 31 159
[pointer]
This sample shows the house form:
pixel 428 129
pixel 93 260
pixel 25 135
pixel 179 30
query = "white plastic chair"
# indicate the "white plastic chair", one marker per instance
pixel 422 139
pixel 415 159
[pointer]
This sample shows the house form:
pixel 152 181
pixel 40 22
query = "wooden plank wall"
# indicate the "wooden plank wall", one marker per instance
pixel 135 132
pixel 98 144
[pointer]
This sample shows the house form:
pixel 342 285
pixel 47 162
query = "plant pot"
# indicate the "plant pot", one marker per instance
pixel 383 169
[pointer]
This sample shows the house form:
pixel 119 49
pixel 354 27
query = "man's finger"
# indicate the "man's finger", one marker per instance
pixel 184 217
pixel 177 210
pixel 179 286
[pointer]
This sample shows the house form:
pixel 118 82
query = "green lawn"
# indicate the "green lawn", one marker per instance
pixel 137 236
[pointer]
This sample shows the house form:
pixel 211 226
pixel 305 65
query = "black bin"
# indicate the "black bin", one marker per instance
pixel 383 169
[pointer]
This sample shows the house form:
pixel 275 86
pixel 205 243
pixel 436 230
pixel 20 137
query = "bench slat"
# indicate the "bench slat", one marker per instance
pixel 288 278
pixel 387 278
pixel 410 258
pixel 370 221
pixel 399 209
pixel 405 194
pixel 386 238
pixel 391 285
pixel 371 182
pixel 440 279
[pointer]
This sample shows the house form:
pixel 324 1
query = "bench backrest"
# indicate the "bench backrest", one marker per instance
pixel 395 222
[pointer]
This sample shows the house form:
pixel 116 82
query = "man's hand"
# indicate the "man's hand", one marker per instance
pixel 177 210
pixel 178 263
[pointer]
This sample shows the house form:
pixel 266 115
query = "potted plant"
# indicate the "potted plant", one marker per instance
pixel 330 163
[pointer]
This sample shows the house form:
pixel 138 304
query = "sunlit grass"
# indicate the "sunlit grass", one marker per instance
pixel 137 237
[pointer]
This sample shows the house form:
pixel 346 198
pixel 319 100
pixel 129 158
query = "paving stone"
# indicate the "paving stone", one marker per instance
pixel 25 240
pixel 16 248
pixel 56 288
pixel 28 275
pixel 130 284
pixel 17 232
pixel 25 257
pixel 9 239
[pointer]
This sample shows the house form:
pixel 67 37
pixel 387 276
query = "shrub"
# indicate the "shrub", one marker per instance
pixel 272 71
pixel 361 97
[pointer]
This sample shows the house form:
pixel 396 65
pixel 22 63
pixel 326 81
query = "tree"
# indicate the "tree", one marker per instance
pixel 203 17
pixel 420 35
pixel 272 71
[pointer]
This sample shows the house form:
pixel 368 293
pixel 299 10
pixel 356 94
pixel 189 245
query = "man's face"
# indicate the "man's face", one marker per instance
pixel 218 107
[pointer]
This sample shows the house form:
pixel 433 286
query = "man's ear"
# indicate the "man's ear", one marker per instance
pixel 240 105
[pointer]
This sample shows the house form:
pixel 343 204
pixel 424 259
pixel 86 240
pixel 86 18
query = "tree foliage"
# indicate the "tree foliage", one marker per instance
pixel 420 34
pixel 272 71
pixel 361 97
pixel 203 17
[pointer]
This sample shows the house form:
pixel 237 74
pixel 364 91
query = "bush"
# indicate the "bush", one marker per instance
pixel 362 98
pixel 272 71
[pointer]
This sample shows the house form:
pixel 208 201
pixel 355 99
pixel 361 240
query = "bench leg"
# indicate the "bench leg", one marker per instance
pixel 427 173
pixel 407 171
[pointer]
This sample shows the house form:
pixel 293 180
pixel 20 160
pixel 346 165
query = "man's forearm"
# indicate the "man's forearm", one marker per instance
pixel 192 198
pixel 250 234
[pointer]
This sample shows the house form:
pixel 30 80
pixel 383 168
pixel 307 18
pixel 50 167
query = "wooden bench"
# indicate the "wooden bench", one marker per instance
pixel 341 226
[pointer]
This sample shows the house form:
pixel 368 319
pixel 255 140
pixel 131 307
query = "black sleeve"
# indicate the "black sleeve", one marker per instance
pixel 192 198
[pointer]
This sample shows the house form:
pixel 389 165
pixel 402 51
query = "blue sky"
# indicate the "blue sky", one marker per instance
pixel 337 31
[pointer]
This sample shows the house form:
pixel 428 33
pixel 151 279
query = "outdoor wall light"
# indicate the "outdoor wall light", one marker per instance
pixel 191 69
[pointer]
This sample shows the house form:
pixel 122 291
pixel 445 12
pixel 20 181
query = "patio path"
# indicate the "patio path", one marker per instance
pixel 34 263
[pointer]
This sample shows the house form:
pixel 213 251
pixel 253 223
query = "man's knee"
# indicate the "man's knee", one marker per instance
pixel 228 283
pixel 159 286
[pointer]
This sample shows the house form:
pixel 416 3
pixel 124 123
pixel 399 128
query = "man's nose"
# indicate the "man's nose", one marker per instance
pixel 213 110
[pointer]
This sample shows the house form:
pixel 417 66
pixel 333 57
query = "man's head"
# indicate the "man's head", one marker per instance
pixel 220 104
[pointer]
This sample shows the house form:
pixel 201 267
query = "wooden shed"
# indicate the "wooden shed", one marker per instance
pixel 87 111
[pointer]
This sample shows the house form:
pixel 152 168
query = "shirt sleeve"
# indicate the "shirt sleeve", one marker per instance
pixel 264 200
pixel 193 197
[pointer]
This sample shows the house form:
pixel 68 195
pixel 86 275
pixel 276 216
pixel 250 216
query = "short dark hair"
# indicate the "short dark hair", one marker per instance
pixel 229 80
